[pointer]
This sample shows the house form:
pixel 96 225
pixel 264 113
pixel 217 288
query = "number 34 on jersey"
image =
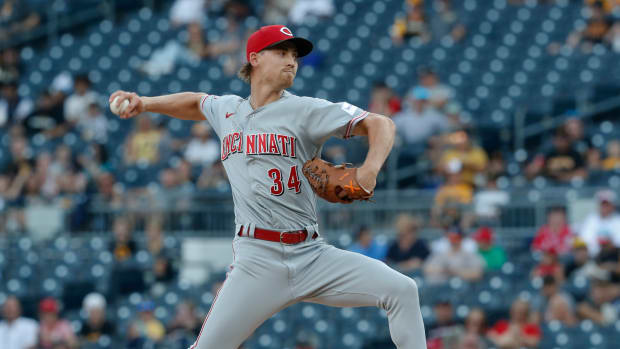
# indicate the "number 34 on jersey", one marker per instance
pixel 266 144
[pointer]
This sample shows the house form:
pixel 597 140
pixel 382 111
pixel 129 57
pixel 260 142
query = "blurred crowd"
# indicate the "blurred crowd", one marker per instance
pixel 60 149
pixel 588 253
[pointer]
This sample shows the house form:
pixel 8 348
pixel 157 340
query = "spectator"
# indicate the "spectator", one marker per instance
pixel 143 143
pixel 475 329
pixel 413 25
pixel 598 305
pixel 53 329
pixel 155 236
pixel 555 233
pixel 147 325
pixel 554 304
pixel 13 108
pixel 17 17
pixel 77 105
pixel 94 125
pixel 606 5
pixel 383 100
pixel 454 112
pixel 608 260
pixel 595 31
pixel 277 11
pixel 202 148
pixel 123 246
pixel 95 161
pixel 443 244
pixel 407 252
pixel 473 158
pixel 576 134
pixel 445 331
pixel 164 60
pixel 446 23
pixel 367 245
pixel 96 324
pixel 10 65
pixel 561 164
pixel 455 192
pixel 303 9
pixel 213 178
pixel 454 263
pixel 231 51
pixel 185 12
pixel 17 332
pixel 47 118
pixel 163 270
pixel 185 325
pixel 417 124
pixel 549 265
pixel 604 224
pixel 580 263
pixel 612 159
pixel 438 94
pixel 238 10
pixel 494 256
pixel 14 182
pixel 517 332
pixel 489 200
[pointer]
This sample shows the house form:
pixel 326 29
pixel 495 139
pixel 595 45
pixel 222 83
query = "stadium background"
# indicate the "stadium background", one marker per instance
pixel 140 212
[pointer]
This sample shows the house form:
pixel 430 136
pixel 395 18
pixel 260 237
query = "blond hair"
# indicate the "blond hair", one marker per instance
pixel 245 72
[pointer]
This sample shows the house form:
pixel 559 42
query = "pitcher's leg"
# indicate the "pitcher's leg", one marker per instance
pixel 346 279
pixel 255 289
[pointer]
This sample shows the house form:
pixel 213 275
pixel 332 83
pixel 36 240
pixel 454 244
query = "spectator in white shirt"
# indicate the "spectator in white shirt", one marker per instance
pixel 202 149
pixel 439 94
pixel 455 262
pixel 184 12
pixel 16 332
pixel 76 105
pixel 308 8
pixel 602 225
pixel 442 245
pixel 421 121
pixel 94 126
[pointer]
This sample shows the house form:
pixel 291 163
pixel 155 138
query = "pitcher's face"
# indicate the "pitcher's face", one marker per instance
pixel 278 65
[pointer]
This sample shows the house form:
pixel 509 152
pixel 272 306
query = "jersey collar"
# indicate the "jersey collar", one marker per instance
pixel 285 94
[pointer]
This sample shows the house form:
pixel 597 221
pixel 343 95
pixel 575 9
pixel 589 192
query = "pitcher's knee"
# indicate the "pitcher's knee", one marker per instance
pixel 406 287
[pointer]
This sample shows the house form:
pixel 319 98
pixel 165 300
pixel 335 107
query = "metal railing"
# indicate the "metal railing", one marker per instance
pixel 213 215
pixel 523 132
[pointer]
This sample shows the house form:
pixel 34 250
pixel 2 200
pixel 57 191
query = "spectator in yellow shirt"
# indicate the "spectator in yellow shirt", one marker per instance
pixel 455 191
pixel 612 161
pixel 147 325
pixel 143 144
pixel 473 158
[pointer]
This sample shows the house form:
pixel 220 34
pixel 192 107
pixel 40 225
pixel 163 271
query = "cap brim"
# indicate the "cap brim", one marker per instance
pixel 304 47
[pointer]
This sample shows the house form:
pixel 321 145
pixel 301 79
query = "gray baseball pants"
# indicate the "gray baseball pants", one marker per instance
pixel 267 277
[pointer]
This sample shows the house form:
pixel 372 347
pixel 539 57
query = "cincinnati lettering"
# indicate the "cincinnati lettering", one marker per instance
pixel 259 144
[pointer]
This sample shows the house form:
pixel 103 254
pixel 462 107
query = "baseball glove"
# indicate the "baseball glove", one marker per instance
pixel 334 183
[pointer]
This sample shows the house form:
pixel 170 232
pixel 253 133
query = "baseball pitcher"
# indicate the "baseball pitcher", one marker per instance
pixel 270 147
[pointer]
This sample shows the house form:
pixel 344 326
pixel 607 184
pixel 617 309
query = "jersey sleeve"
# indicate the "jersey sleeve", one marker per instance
pixel 209 107
pixel 329 119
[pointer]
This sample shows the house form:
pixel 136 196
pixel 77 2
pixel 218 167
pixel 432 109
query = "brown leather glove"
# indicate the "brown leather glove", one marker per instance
pixel 334 183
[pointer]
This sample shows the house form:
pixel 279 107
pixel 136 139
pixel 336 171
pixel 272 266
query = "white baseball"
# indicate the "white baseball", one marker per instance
pixel 115 108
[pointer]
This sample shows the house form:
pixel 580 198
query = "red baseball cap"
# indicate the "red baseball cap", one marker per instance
pixel 484 235
pixel 271 35
pixel 48 305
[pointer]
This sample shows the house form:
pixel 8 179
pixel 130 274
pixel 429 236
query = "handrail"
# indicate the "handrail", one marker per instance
pixel 543 126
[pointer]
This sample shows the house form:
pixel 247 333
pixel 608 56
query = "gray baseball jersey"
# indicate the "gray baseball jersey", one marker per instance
pixel 263 151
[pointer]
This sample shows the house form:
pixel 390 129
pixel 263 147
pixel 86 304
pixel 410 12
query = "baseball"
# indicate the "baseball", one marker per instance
pixel 115 108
